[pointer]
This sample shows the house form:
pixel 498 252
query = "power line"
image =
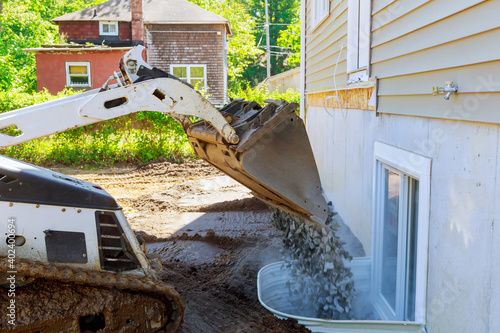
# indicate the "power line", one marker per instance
pixel 279 47
pixel 260 40
pixel 263 24
pixel 291 33
pixel 282 53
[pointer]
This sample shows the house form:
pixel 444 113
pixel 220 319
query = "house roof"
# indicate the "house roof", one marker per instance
pixel 155 12
pixel 113 10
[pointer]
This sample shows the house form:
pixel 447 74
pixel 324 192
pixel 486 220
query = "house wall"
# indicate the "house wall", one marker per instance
pixel 83 31
pixel 125 29
pixel 420 44
pixel 463 275
pixel 416 45
pixel 79 30
pixel 191 44
pixel 323 48
pixel 51 67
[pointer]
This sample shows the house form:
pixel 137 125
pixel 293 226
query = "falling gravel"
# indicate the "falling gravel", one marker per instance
pixel 316 256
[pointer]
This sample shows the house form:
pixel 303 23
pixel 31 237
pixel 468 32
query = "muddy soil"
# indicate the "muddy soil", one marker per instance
pixel 211 234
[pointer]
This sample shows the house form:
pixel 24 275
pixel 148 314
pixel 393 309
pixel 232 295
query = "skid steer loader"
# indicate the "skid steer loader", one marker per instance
pixel 69 261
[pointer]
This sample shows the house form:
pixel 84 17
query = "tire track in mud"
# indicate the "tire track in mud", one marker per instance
pixel 127 186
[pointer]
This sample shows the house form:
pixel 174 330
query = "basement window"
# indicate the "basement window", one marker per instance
pixel 196 75
pixel 108 28
pixel 358 40
pixel 78 74
pixel 400 233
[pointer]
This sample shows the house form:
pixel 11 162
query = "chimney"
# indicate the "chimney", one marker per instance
pixel 137 22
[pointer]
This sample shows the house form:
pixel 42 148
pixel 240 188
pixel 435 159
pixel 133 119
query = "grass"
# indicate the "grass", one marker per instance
pixel 138 138
pixel 125 145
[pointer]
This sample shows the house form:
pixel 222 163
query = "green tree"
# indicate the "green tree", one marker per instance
pixel 21 28
pixel 26 24
pixel 50 9
pixel 1 10
pixel 282 15
pixel 289 39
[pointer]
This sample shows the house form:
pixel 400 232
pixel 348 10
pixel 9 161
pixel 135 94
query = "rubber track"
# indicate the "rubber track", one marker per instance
pixel 127 282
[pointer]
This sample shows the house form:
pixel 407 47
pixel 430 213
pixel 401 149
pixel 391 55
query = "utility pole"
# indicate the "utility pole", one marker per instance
pixel 268 41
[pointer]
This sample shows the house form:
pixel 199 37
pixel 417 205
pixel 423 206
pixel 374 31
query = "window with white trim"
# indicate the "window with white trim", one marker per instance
pixel 78 74
pixel 108 28
pixel 196 75
pixel 400 233
pixel 320 11
pixel 358 40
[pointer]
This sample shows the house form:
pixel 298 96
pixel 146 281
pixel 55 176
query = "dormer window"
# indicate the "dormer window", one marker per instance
pixel 108 28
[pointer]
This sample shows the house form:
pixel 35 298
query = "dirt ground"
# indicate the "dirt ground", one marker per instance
pixel 211 234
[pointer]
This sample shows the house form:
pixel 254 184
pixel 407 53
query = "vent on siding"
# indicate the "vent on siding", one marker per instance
pixel 115 251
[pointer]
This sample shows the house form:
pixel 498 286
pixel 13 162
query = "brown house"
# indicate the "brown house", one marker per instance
pixel 189 42
pixel 182 39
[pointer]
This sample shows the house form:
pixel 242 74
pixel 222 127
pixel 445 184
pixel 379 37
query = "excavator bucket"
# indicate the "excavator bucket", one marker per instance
pixel 273 157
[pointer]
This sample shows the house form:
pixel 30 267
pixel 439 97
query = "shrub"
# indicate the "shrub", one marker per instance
pixel 140 137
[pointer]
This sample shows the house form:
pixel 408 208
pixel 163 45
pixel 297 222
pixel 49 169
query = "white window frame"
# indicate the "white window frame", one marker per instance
pixel 188 72
pixel 101 28
pixel 320 11
pixel 358 40
pixel 417 167
pixel 68 79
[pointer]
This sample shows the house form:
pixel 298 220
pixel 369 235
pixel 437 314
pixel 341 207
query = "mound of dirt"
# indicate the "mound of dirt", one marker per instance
pixel 220 292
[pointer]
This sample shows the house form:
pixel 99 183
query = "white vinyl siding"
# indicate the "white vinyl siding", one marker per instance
pixel 420 44
pixel 323 46
pixel 78 74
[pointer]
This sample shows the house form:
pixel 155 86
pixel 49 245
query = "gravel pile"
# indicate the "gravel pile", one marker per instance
pixel 316 257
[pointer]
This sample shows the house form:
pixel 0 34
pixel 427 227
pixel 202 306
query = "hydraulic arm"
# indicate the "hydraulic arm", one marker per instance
pixel 264 148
